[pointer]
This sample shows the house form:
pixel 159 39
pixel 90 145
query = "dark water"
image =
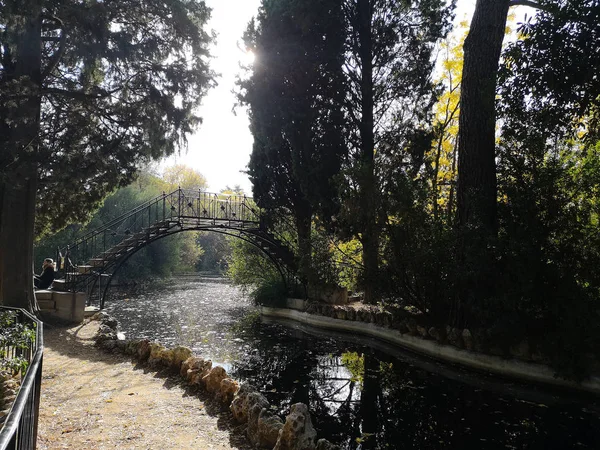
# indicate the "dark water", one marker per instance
pixel 362 394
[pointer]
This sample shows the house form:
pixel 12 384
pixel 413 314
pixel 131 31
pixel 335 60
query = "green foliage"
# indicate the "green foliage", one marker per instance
pixel 299 132
pixel 355 363
pixel 248 266
pixel 216 252
pixel 271 292
pixel 174 254
pixel 13 335
pixel 120 85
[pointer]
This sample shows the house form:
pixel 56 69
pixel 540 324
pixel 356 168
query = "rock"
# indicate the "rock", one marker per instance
pixel 108 344
pixel 521 351
pixel 312 308
pixel 481 340
pixel 422 331
pixel 383 318
pixel 324 444
pixel 363 315
pixel 121 345
pixel 195 375
pixel 121 336
pixel 187 364
pixel 268 426
pixel 339 313
pixel 467 339
pixel 132 347
pixel 100 315
pixel 239 405
pixel 213 379
pixel 411 324
pixel 110 322
pixel 434 333
pixel 297 432
pixel 350 314
pixel 244 400
pixel 165 357
pixel 455 337
pixel 196 365
pixel 400 325
pixel 143 350
pixel 177 356
pixel 252 429
pixel 227 390
pixel 156 350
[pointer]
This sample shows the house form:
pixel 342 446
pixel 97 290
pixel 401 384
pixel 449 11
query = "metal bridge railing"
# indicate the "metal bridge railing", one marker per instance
pixel 176 206
pixel 19 431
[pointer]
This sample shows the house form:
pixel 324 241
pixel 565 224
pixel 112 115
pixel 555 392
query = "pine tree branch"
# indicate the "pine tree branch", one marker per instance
pixel 78 94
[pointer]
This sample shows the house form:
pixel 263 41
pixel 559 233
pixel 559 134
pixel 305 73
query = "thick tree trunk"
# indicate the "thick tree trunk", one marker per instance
pixel 20 182
pixel 476 194
pixel 367 181
pixel 16 241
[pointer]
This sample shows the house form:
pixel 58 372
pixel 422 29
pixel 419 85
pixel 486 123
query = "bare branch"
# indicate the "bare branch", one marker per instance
pixel 530 3
pixel 56 56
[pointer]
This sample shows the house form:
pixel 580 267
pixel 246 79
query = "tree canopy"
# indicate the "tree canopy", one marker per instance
pixel 89 90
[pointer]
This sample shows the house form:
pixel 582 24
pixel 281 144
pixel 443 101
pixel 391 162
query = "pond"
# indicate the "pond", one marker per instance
pixel 363 394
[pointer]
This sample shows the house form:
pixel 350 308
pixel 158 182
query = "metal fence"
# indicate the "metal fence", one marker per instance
pixel 19 430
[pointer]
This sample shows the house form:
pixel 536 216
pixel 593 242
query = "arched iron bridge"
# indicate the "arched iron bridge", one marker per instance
pixel 90 262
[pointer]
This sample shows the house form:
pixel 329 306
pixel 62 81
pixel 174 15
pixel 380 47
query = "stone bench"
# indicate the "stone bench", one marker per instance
pixel 68 306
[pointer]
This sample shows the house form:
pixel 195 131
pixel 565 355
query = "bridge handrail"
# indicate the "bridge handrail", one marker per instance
pixel 121 218
pixel 178 194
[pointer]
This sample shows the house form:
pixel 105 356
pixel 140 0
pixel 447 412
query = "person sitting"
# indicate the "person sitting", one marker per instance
pixel 45 279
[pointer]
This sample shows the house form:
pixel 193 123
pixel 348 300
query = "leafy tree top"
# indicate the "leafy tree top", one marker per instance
pixel 120 83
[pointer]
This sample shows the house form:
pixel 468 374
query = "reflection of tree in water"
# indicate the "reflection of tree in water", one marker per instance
pixel 361 399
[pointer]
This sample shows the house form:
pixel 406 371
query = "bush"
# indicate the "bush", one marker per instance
pixel 13 335
pixel 271 292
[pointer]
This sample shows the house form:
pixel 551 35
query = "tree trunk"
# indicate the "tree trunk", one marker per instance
pixel 303 226
pixel 20 185
pixel 476 194
pixel 16 241
pixel 367 182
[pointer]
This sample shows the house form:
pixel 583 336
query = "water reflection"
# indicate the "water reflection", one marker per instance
pixel 360 398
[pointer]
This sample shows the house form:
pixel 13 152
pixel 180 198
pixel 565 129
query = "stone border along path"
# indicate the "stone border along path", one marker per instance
pixel 249 409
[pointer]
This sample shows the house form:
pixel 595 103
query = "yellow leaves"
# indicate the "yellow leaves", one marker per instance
pixel 183 176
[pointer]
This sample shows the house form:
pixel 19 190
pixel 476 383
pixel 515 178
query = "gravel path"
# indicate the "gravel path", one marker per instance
pixel 93 400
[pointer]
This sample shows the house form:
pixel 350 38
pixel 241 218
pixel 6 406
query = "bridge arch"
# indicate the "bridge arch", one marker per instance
pixel 102 252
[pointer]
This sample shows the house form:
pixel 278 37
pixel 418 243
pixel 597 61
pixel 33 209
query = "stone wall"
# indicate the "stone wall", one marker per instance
pixel 472 348
pixel 248 406
pixel 473 339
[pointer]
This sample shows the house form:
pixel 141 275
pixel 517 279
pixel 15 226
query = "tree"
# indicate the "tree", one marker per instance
pixel 88 90
pixel 477 172
pixel 388 66
pixel 182 176
pixel 294 94
pixel 477 129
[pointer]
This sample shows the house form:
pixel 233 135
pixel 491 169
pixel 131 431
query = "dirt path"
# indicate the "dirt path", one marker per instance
pixel 93 400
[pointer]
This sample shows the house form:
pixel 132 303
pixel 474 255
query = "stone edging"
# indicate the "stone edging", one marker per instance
pixel 248 406
pixel 507 367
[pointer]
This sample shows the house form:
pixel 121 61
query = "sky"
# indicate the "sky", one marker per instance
pixel 220 149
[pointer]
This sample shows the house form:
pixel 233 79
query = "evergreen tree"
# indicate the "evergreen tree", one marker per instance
pixel 295 93
pixel 88 90
pixel 390 95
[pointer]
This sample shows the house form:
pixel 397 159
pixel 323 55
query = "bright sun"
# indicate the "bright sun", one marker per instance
pixel 247 58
